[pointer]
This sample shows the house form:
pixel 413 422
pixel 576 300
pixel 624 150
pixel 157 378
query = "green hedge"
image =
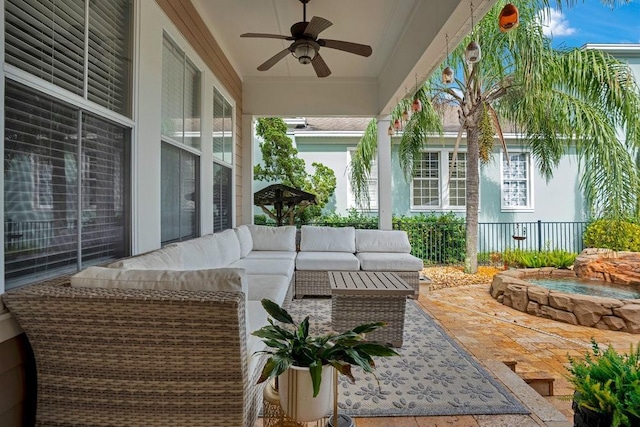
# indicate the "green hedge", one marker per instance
pixel 434 238
pixel 617 235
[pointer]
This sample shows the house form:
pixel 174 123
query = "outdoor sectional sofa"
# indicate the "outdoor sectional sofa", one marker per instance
pixel 166 335
pixel 347 249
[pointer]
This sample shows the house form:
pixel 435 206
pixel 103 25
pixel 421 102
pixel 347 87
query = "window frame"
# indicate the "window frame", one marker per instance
pixel 443 184
pixel 85 105
pixel 530 207
pixel 186 62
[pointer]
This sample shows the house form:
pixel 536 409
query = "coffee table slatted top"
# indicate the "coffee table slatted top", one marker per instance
pixel 367 282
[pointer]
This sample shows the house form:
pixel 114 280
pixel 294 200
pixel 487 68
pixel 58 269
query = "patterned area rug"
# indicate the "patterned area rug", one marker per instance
pixel 432 376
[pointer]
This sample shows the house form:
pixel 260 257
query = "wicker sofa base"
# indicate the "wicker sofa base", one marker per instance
pixel 349 311
pixel 138 357
pixel 316 282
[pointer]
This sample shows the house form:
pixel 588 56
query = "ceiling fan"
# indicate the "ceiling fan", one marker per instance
pixel 306 44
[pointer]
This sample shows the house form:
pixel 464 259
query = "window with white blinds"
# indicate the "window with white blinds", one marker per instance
pixel 109 64
pixel 179 194
pixel 65 201
pixel 222 128
pixel 46 38
pixel 222 201
pixel 180 96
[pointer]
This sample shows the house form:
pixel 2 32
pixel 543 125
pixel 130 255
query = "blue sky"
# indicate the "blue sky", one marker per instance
pixel 591 22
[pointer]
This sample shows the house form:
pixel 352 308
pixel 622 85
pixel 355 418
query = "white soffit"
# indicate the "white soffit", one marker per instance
pixel 407 38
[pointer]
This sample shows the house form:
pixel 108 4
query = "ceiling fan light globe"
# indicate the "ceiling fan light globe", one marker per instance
pixel 305 52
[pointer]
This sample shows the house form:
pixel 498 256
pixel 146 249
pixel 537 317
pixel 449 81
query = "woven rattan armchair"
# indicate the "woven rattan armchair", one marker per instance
pixel 108 357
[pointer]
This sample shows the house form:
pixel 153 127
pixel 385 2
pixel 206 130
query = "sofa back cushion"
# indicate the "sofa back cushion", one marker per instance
pixel 211 251
pixel 228 247
pixel 244 237
pixel 218 279
pixel 200 253
pixel 382 241
pixel 327 239
pixel 169 258
pixel 267 238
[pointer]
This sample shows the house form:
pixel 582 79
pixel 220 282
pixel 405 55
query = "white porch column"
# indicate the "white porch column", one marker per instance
pixel 384 174
pixel 247 169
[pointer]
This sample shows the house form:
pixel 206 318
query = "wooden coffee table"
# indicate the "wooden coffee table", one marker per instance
pixel 359 297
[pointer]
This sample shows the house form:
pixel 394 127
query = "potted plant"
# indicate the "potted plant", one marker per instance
pixel 299 360
pixel 607 387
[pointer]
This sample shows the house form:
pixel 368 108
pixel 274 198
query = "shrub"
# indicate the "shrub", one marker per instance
pixel 436 239
pixel 617 235
pixel 533 259
pixel 608 382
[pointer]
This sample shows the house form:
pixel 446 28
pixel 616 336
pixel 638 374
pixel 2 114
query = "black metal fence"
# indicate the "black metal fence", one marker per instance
pixel 445 242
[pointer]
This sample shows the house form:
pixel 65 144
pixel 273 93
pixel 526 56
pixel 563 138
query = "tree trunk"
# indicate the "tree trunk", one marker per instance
pixel 473 187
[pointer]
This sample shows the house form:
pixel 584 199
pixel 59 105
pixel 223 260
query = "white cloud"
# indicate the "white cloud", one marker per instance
pixel 555 24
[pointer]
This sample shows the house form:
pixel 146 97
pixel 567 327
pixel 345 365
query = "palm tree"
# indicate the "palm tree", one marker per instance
pixel 556 99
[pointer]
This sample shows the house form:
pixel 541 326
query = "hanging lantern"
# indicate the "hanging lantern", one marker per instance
pixel 508 19
pixel 447 76
pixel 390 131
pixel 416 106
pixel 397 125
pixel 405 115
pixel 473 53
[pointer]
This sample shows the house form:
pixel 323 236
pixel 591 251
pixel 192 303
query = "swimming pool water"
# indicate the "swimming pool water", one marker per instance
pixel 588 287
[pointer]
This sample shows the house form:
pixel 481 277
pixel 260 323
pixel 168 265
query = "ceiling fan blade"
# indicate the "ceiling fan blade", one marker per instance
pixel 316 26
pixel 266 36
pixel 358 49
pixel 273 60
pixel 320 66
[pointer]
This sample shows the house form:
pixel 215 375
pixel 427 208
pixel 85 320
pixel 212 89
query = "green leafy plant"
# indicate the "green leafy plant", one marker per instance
pixel 613 234
pixel 608 383
pixel 536 259
pixel 293 346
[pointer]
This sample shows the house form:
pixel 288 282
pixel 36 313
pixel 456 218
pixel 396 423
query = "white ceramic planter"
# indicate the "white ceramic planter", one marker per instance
pixel 296 394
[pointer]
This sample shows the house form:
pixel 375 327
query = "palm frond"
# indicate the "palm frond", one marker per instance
pixel 359 169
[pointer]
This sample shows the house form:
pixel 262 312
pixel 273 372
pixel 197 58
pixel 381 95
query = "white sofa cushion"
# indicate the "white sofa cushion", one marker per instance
pixel 219 279
pixel 169 258
pixel 266 266
pixel 382 241
pixel 272 255
pixel 327 261
pixel 376 261
pixel 228 246
pixel 327 239
pixel 245 240
pixel 267 238
pixel 200 253
pixel 271 286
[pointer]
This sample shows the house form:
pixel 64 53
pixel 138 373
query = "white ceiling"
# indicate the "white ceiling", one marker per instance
pixel 407 38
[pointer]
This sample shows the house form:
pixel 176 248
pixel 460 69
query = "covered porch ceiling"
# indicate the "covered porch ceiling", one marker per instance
pixel 407 38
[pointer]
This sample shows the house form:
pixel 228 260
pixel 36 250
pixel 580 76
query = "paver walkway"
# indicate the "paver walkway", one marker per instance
pixel 491 331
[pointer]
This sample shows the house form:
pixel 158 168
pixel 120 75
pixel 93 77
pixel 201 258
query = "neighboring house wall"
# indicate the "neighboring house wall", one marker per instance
pixel 557 200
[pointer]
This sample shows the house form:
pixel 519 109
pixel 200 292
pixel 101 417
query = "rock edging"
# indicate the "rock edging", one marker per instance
pixel 512 289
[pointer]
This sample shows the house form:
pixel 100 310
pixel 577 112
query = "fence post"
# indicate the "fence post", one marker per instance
pixel 539 236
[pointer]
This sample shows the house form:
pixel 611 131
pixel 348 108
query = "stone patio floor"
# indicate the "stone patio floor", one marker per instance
pixel 494 333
